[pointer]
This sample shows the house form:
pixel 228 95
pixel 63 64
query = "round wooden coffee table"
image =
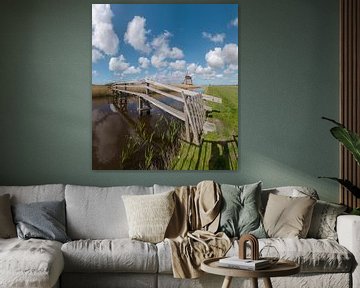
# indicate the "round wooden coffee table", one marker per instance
pixel 281 268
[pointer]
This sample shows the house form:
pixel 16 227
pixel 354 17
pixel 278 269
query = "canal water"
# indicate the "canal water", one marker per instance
pixel 114 132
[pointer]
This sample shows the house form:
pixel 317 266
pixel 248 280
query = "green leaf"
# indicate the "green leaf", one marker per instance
pixel 347 184
pixel 349 139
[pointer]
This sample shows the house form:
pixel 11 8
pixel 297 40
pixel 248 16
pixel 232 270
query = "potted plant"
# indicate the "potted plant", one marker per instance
pixel 351 141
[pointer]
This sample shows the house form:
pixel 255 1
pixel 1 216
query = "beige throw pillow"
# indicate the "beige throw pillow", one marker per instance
pixel 148 215
pixel 7 226
pixel 288 217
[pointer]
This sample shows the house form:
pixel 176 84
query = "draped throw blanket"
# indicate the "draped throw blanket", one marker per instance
pixel 191 231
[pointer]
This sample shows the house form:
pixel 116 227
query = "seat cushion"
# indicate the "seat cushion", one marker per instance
pixel 30 263
pixel 313 255
pixel 36 193
pixel 98 213
pixel 117 255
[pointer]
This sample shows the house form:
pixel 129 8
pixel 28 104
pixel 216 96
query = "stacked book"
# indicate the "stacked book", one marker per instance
pixel 248 264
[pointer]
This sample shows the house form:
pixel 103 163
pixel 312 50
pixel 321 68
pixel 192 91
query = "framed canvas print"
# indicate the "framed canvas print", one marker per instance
pixel 165 87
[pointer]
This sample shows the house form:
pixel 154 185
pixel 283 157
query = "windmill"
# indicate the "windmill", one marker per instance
pixel 187 79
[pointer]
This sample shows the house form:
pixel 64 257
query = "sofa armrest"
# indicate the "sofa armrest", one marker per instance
pixel 348 230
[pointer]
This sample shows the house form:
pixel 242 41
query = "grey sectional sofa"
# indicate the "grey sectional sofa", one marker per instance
pixel 101 255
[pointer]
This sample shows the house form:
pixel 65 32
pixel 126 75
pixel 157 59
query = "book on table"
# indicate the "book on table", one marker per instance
pixel 236 262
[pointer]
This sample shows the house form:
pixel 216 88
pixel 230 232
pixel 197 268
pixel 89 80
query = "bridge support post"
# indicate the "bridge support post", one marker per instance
pixel 187 129
pixel 190 118
pixel 140 105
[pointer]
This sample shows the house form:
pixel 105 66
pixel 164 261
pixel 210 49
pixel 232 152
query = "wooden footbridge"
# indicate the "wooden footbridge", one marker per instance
pixel 193 112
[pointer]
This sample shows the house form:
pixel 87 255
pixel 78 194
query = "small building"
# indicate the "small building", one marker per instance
pixel 188 80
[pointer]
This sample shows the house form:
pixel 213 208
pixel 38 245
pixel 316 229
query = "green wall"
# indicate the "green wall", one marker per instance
pixel 288 80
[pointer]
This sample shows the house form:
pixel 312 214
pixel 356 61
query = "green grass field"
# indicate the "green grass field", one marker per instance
pixel 218 150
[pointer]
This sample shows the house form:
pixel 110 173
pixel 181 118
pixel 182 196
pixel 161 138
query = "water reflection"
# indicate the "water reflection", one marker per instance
pixel 113 127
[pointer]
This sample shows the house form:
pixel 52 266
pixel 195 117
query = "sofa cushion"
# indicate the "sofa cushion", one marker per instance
pixel 43 220
pixel 30 263
pixel 313 255
pixel 98 213
pixel 149 215
pixel 287 216
pixel 37 193
pixel 291 191
pixel 117 255
pixel 323 222
pixel 7 226
pixel 240 210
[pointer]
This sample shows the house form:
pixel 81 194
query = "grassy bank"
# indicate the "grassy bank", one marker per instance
pixel 218 150
pixel 100 91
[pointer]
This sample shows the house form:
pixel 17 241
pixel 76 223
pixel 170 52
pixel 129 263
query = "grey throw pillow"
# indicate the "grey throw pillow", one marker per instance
pixel 323 222
pixel 240 210
pixel 44 220
pixel 7 227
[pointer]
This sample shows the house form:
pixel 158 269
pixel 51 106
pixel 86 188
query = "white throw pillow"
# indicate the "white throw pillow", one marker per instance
pixel 149 215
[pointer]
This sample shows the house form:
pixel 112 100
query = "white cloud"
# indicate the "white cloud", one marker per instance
pixel 234 22
pixel 135 34
pixel 96 55
pixel 191 68
pixel 168 77
pixel 178 65
pixel 163 51
pixel 219 75
pixel 144 62
pixel 231 69
pixel 218 57
pixel 118 63
pixel 199 70
pixel 95 73
pixel 158 61
pixel 203 70
pixel 217 38
pixel 103 36
pixel 132 70
pixel 214 58
pixel 230 54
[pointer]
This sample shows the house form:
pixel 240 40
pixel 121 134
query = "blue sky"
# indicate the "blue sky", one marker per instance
pixel 164 41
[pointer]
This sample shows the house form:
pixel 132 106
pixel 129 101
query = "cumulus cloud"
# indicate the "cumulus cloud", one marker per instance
pixel 203 70
pixel 168 77
pixel 217 38
pixel 96 55
pixel 200 70
pixel 158 61
pixel 218 57
pixel 118 64
pixel 191 68
pixel 234 22
pixel 132 70
pixel 214 58
pixel 178 65
pixel 231 69
pixel 104 38
pixel 163 51
pixel 135 34
pixel 144 62
pixel 230 54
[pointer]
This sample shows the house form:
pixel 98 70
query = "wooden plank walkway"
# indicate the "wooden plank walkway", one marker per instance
pixel 180 99
pixel 176 113
pixel 186 92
